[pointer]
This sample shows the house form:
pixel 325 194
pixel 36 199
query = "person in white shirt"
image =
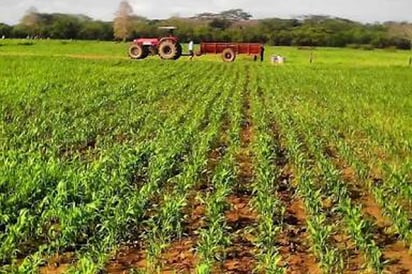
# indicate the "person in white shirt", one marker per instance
pixel 191 52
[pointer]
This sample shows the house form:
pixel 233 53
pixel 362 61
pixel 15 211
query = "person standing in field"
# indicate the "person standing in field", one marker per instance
pixel 262 53
pixel 191 52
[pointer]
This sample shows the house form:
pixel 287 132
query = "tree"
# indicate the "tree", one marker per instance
pixel 123 22
pixel 31 21
pixel 229 15
pixel 206 16
pixel 65 27
pixel 221 24
pixel 5 30
pixel 235 15
pixel 92 30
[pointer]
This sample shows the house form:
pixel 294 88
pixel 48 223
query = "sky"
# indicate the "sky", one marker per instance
pixel 360 10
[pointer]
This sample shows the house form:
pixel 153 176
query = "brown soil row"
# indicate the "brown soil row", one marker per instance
pixel 294 238
pixel 58 264
pixel 127 258
pixel 354 261
pixel 240 254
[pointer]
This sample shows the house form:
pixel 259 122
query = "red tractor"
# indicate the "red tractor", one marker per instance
pixel 168 48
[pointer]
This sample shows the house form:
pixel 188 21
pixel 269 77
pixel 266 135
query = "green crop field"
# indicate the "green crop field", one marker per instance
pixel 109 165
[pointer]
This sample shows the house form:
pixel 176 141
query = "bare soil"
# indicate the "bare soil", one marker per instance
pixel 85 149
pixel 294 239
pixel 58 264
pixel 127 258
pixel 240 255
pixel 180 256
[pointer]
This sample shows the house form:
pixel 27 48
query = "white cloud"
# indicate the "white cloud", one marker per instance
pixel 363 10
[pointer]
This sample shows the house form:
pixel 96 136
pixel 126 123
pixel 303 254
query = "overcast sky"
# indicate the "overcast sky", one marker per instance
pixel 362 10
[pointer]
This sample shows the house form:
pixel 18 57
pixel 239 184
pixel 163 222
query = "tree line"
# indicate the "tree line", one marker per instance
pixel 230 25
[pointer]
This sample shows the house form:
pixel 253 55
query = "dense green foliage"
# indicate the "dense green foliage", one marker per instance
pixel 102 153
pixel 232 25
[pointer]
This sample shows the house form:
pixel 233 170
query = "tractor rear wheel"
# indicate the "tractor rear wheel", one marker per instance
pixel 228 55
pixel 169 50
pixel 138 52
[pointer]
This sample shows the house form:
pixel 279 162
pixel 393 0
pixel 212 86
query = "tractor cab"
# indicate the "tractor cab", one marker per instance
pixel 170 30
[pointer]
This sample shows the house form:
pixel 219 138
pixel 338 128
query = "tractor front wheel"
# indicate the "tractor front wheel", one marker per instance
pixel 169 50
pixel 138 52
pixel 228 55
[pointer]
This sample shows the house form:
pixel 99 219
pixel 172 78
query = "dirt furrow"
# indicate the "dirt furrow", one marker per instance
pixel 294 239
pixel 127 258
pixel 240 255
pixel 58 264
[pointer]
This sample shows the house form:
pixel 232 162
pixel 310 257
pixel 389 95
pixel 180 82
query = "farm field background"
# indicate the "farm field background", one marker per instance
pixel 110 50
pixel 116 166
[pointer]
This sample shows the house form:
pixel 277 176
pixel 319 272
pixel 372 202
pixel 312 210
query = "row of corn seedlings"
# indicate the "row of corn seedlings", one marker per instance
pixel 70 191
pixel 213 238
pixel 357 226
pixel 269 207
pixel 182 143
pixel 167 224
pixel 166 161
pixel 394 184
pixel 332 186
pixel 385 195
pixel 65 232
pixel 21 195
pixel 320 228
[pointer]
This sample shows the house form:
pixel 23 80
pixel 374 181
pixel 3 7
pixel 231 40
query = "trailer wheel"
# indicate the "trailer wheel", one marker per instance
pixel 169 50
pixel 228 55
pixel 138 52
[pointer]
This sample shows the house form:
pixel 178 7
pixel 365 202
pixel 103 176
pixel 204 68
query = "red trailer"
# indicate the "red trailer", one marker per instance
pixel 230 50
